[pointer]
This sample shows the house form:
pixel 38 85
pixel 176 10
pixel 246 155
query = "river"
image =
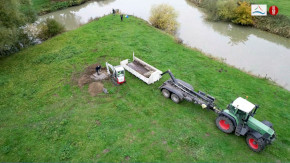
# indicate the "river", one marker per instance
pixel 252 50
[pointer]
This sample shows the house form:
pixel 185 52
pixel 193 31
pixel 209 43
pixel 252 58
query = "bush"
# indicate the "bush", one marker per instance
pixel 50 28
pixel 243 14
pixel 226 9
pixel 211 6
pixel 164 17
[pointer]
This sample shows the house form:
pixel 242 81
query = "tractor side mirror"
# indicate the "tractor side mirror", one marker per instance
pixel 256 108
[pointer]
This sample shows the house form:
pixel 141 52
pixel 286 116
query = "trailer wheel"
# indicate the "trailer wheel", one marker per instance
pixel 225 124
pixel 165 93
pixel 175 98
pixel 257 145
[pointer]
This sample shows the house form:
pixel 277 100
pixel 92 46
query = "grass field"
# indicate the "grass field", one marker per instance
pixel 44 117
pixel 283 5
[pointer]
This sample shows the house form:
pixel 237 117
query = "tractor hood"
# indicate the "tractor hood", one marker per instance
pixel 259 126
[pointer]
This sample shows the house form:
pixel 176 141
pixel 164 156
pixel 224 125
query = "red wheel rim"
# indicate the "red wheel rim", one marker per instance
pixel 223 125
pixel 251 142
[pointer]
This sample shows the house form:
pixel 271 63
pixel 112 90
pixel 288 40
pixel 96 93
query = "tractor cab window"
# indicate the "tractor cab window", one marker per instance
pixel 120 74
pixel 240 114
pixel 232 109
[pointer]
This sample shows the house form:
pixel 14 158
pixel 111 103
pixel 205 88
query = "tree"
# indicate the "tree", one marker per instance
pixel 13 15
pixel 164 17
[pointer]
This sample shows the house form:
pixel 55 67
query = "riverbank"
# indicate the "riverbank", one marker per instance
pixel 45 117
pixel 46 6
pixel 225 11
pixel 279 24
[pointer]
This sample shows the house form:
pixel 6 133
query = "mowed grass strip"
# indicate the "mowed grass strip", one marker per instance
pixel 44 117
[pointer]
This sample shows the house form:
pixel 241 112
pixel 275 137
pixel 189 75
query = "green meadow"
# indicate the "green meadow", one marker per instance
pixel 46 117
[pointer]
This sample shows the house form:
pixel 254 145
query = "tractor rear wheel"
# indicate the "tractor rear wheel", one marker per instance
pixel 257 145
pixel 175 98
pixel 165 93
pixel 225 124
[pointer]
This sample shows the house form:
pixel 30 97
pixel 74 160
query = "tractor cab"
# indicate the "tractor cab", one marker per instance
pixel 242 109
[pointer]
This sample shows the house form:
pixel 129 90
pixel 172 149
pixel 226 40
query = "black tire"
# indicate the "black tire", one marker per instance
pixel 267 123
pixel 175 98
pixel 165 93
pixel 256 145
pixel 224 124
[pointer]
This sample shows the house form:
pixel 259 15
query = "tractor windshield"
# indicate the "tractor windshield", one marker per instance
pixel 121 73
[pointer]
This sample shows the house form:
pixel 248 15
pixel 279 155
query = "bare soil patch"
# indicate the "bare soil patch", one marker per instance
pixel 127 158
pixel 95 88
pixel 106 151
pixel 90 77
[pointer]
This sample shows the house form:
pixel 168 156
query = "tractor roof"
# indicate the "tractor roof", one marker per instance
pixel 243 105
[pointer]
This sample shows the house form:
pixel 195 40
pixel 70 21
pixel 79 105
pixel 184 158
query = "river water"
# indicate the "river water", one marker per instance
pixel 252 50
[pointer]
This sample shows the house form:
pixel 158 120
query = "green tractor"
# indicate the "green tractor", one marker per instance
pixel 239 118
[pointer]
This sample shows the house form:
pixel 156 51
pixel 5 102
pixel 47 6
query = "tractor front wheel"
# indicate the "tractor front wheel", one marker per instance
pixel 225 124
pixel 257 145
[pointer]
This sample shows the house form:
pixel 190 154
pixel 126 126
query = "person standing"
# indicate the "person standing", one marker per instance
pixel 98 69
pixel 114 12
pixel 121 17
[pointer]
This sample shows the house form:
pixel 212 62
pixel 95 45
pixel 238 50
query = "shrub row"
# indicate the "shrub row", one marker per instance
pixel 56 5
pixel 239 12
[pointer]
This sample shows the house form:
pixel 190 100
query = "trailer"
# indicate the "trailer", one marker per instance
pixel 142 70
pixel 238 118
pixel 179 90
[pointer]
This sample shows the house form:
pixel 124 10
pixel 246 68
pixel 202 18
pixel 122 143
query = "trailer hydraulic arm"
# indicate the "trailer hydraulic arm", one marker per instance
pixel 171 75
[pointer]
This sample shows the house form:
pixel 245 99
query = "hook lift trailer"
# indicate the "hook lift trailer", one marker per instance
pixel 237 118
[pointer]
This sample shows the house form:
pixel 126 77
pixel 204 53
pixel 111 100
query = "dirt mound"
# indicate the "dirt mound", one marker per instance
pixel 95 88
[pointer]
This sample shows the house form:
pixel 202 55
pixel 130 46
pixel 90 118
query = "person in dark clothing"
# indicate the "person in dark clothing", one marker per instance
pixel 98 69
pixel 121 17
pixel 114 12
